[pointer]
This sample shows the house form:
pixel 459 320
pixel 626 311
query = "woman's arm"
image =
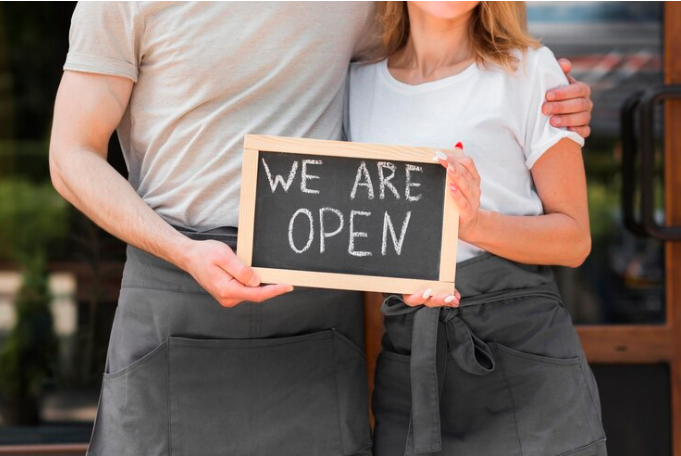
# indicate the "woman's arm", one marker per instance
pixel 559 237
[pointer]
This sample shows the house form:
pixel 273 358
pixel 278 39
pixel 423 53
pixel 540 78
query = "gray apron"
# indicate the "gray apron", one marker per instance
pixel 188 377
pixel 502 375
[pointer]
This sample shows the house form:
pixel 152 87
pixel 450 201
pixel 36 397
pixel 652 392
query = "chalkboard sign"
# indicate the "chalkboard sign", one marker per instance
pixel 331 214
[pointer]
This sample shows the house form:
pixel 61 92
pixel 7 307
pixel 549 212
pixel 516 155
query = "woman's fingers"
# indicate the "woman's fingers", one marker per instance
pixel 443 300
pixel 468 164
pixel 464 182
pixel 466 195
pixel 426 298
pixel 462 202
pixel 452 160
pixel 418 298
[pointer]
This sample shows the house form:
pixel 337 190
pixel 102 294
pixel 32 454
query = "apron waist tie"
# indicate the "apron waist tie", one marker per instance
pixel 430 352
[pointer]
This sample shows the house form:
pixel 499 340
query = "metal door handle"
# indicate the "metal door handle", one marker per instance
pixel 643 103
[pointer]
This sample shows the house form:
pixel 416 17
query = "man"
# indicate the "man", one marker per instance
pixel 190 372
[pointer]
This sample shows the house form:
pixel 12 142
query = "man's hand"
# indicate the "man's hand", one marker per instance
pixel 570 106
pixel 216 268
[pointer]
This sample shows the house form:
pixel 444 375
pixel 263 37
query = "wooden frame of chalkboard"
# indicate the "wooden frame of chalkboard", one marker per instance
pixel 256 146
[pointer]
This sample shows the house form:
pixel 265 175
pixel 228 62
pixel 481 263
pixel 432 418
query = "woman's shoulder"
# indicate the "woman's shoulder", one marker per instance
pixel 533 68
pixel 532 60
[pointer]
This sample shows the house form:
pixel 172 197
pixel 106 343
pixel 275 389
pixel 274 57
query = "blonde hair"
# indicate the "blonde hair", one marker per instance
pixel 496 29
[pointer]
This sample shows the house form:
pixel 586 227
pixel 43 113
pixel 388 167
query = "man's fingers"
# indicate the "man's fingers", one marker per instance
pixel 584 132
pixel 234 267
pixel 572 106
pixel 574 90
pixel 571 120
pixel 565 65
pixel 235 293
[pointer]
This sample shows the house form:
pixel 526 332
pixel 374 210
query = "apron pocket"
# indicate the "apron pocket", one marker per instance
pixel 352 395
pixel 285 396
pixel 555 411
pixel 132 416
pixel 391 403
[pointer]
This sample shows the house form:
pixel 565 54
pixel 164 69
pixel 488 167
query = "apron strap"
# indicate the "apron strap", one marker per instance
pixel 429 354
pixel 429 350
pixel 425 388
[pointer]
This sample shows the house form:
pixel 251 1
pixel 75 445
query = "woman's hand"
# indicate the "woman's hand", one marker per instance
pixel 464 188
pixel 426 298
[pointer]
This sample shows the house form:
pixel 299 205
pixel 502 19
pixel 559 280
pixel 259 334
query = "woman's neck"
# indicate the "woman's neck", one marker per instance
pixel 436 48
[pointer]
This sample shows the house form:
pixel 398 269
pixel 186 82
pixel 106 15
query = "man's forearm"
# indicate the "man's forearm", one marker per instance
pixel 95 188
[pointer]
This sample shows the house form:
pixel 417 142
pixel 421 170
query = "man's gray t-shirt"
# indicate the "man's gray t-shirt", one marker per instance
pixel 205 75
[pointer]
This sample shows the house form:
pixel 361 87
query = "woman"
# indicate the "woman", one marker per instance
pixel 495 368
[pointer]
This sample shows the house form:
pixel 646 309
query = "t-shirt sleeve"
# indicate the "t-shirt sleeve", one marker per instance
pixel 105 39
pixel 540 135
pixel 346 106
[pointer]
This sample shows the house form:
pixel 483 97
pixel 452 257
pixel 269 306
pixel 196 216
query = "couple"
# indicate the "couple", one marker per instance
pixel 204 360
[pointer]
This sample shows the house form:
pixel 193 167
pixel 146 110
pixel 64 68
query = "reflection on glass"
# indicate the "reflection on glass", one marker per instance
pixel 615 47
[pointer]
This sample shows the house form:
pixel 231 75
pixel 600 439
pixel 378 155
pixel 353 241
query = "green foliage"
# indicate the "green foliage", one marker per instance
pixel 603 208
pixel 30 353
pixel 32 217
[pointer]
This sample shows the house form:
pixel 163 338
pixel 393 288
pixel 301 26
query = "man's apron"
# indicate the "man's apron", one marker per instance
pixel 188 377
pixel 502 375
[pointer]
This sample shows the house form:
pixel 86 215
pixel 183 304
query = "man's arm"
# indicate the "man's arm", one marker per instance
pixel 87 110
pixel 570 106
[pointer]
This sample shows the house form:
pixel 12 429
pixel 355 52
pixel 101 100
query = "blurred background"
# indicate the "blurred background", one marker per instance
pixel 60 274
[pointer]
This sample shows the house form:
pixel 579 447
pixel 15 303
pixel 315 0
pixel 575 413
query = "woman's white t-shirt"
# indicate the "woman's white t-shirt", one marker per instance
pixel 494 113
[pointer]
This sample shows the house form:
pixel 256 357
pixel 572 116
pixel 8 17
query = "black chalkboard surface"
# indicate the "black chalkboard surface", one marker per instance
pixel 346 215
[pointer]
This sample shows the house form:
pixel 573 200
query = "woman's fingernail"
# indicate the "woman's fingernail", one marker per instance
pixel 450 298
pixel 439 156
pixel 556 121
pixel 458 146
pixel 427 294
pixel 453 187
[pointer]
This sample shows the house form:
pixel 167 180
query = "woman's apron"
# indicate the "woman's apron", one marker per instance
pixel 502 375
pixel 188 377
